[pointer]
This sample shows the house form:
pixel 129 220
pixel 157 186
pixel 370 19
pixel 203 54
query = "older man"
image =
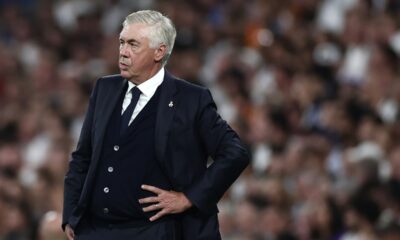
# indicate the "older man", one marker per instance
pixel 140 168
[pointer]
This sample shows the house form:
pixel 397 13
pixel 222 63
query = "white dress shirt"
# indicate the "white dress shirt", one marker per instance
pixel 147 89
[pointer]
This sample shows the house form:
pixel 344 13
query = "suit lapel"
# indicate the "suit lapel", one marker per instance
pixel 165 113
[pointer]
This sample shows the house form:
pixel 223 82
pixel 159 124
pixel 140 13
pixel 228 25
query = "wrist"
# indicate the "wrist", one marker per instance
pixel 68 226
pixel 187 203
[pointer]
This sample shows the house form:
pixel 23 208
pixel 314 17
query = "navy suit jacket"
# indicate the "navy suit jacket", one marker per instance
pixel 188 132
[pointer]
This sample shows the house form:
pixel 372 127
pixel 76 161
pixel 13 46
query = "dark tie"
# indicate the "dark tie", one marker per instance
pixel 126 116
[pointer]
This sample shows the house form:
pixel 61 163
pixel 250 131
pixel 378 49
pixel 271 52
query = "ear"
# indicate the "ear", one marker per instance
pixel 160 52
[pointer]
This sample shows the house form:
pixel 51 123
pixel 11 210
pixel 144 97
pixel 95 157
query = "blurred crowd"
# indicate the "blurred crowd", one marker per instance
pixel 311 86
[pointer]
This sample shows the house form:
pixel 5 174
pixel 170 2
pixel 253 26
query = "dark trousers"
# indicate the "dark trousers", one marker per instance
pixel 162 230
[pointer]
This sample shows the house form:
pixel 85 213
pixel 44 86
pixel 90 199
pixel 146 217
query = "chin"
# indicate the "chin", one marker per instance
pixel 125 74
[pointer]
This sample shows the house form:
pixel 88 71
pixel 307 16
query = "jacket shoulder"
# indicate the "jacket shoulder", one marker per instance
pixel 110 79
pixel 188 87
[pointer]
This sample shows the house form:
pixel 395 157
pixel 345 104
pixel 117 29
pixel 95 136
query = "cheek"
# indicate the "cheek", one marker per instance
pixel 136 57
pixel 140 59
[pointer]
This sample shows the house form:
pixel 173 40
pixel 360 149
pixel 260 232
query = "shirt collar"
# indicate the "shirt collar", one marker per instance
pixel 149 87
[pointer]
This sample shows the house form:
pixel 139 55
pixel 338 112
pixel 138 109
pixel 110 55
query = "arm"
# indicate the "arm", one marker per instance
pixel 79 163
pixel 229 155
pixel 230 158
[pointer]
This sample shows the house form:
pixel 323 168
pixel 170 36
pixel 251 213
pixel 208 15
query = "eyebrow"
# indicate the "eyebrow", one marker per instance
pixel 129 40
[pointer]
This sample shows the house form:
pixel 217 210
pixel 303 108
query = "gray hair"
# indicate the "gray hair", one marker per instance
pixel 162 29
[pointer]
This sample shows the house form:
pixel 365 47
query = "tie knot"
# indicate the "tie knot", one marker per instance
pixel 135 91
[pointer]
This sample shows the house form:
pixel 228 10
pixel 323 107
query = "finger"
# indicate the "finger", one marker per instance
pixel 152 208
pixel 152 189
pixel 70 235
pixel 149 200
pixel 159 215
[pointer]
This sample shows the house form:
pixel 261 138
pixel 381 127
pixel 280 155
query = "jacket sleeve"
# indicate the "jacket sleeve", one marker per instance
pixel 229 155
pixel 79 162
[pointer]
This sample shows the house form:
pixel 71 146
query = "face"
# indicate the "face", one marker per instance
pixel 137 61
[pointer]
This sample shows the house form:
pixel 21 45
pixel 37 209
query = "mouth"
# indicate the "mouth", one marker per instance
pixel 123 65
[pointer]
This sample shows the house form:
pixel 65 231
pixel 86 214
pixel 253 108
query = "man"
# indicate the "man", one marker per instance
pixel 140 168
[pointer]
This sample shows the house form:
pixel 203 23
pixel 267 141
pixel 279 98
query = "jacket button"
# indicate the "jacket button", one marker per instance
pixel 116 148
pixel 105 210
pixel 106 189
pixel 110 169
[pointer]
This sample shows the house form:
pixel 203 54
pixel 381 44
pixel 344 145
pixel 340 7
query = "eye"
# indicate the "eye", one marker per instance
pixel 133 44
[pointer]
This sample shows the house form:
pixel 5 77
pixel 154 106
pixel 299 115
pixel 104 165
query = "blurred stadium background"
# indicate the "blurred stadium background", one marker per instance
pixel 312 87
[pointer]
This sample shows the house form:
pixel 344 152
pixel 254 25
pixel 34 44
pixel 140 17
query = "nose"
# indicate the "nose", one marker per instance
pixel 123 51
